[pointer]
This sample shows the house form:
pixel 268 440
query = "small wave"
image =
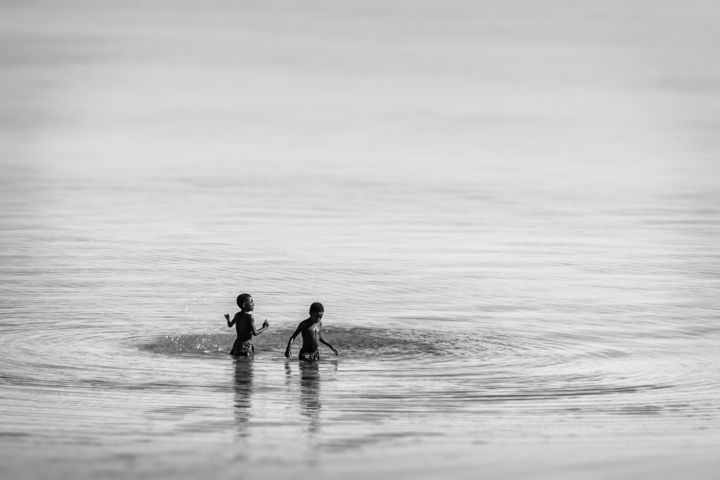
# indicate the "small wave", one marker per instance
pixel 190 344
pixel 351 342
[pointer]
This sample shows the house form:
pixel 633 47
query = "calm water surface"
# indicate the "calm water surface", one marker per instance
pixel 519 266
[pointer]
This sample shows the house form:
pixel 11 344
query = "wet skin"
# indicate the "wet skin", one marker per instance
pixel 244 321
pixel 311 330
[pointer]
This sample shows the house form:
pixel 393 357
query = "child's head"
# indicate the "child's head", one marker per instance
pixel 317 310
pixel 245 302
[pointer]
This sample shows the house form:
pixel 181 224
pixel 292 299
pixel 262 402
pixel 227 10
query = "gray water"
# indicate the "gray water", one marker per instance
pixel 509 210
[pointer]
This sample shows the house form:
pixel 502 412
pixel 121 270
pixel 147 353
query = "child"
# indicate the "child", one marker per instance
pixel 245 326
pixel 311 330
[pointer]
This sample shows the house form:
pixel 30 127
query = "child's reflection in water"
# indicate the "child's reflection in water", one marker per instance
pixel 243 394
pixel 309 382
pixel 309 391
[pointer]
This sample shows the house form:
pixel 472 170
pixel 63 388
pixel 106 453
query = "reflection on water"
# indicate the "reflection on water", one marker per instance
pixel 310 393
pixel 243 394
pixel 308 380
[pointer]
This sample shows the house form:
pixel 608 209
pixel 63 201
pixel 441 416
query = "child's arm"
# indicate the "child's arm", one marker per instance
pixel 229 322
pixel 264 327
pixel 322 340
pixel 292 339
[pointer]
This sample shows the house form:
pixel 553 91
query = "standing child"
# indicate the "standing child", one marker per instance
pixel 245 327
pixel 311 330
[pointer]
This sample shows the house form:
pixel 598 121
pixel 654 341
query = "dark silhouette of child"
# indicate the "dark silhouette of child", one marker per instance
pixel 245 327
pixel 311 330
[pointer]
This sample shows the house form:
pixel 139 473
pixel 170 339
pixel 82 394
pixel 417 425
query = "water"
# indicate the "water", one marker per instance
pixel 509 212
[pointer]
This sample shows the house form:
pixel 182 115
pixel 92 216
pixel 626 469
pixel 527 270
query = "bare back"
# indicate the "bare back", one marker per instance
pixel 245 326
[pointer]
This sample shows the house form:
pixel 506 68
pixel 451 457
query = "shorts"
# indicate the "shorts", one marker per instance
pixel 242 349
pixel 309 356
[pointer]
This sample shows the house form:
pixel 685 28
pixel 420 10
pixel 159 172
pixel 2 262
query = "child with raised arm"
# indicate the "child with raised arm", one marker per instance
pixel 311 330
pixel 245 327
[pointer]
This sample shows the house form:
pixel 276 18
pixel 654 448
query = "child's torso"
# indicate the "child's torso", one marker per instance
pixel 311 337
pixel 243 326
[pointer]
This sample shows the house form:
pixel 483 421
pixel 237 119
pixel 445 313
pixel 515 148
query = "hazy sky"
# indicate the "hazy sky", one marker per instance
pixel 462 89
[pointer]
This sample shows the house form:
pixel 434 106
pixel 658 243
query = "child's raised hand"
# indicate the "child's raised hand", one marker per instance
pixel 227 317
pixel 266 323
